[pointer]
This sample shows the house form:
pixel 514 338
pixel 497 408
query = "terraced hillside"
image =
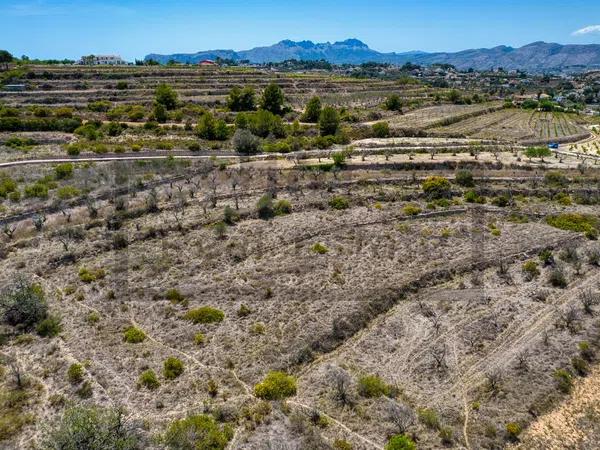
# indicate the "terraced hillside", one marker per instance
pixel 238 279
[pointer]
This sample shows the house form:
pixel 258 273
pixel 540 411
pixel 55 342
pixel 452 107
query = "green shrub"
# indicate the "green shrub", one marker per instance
pixel 575 222
pixel 7 185
pixel 63 171
pixel 258 328
pixel 244 311
pixel 372 386
pixel 172 368
pixel 474 197
pixel 75 373
pixel 264 207
pixel 555 178
pixel 429 418
pixel 230 216
pixel 174 296
pixel 580 365
pixel 51 326
pixel 446 435
pixel 557 278
pixel 393 103
pixel 436 187
pixel 88 428
pixel 546 257
pixel 90 275
pixel 381 130
pixel 400 442
pixel 38 190
pixel 586 351
pixel 564 380
pixel 99 106
pixel 339 159
pixel 513 430
pixel 67 192
pixel 282 207
pixel 530 269
pixel 199 338
pixel 319 248
pixel 23 304
pixel 276 386
pixel 339 202
pixel 340 444
pixel 197 432
pixel 134 335
pixel 204 314
pixel 149 380
pixel 464 178
pixel 93 317
pixel 501 201
pixel 411 210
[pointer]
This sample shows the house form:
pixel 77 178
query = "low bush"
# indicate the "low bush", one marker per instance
pixel 575 222
pixel 134 335
pixel 513 430
pixel 276 386
pixel 474 197
pixel 429 418
pixel 63 171
pixel 149 380
pixel 381 130
pixel 557 278
pixel 90 275
pixel 530 269
pixel 199 338
pixel 464 178
pixel 282 207
pixel 372 386
pixel 437 187
pixel 580 366
pixel 546 257
pixel 264 207
pixel 411 210
pixel 338 202
pixel 174 296
pixel 204 314
pixel 67 192
pixel 75 373
pixel 400 442
pixel 319 248
pixel 172 368
pixel 564 380
pixel 23 304
pixel 51 326
pixel 95 428
pixel 555 178
pixel 199 432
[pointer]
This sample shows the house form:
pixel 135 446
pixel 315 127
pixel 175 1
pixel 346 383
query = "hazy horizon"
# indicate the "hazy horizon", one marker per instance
pixel 132 28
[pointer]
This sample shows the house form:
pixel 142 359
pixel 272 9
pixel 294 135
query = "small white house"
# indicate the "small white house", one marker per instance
pixel 102 60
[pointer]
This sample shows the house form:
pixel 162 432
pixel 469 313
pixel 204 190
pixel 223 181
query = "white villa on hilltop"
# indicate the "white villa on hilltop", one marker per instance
pixel 102 60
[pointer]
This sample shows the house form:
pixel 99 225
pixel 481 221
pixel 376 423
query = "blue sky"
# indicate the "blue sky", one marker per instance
pixel 133 28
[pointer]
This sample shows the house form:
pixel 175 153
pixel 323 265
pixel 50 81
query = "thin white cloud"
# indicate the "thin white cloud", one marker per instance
pixel 587 30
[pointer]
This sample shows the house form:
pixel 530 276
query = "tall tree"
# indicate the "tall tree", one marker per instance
pixel 5 58
pixel 166 96
pixel 312 110
pixel 272 99
pixel 329 121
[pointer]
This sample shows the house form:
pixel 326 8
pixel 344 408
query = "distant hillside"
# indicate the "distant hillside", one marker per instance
pixel 535 57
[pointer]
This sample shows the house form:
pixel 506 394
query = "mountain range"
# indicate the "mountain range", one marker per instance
pixel 534 57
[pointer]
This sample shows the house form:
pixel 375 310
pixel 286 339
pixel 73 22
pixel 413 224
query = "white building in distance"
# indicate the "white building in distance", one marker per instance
pixel 102 60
